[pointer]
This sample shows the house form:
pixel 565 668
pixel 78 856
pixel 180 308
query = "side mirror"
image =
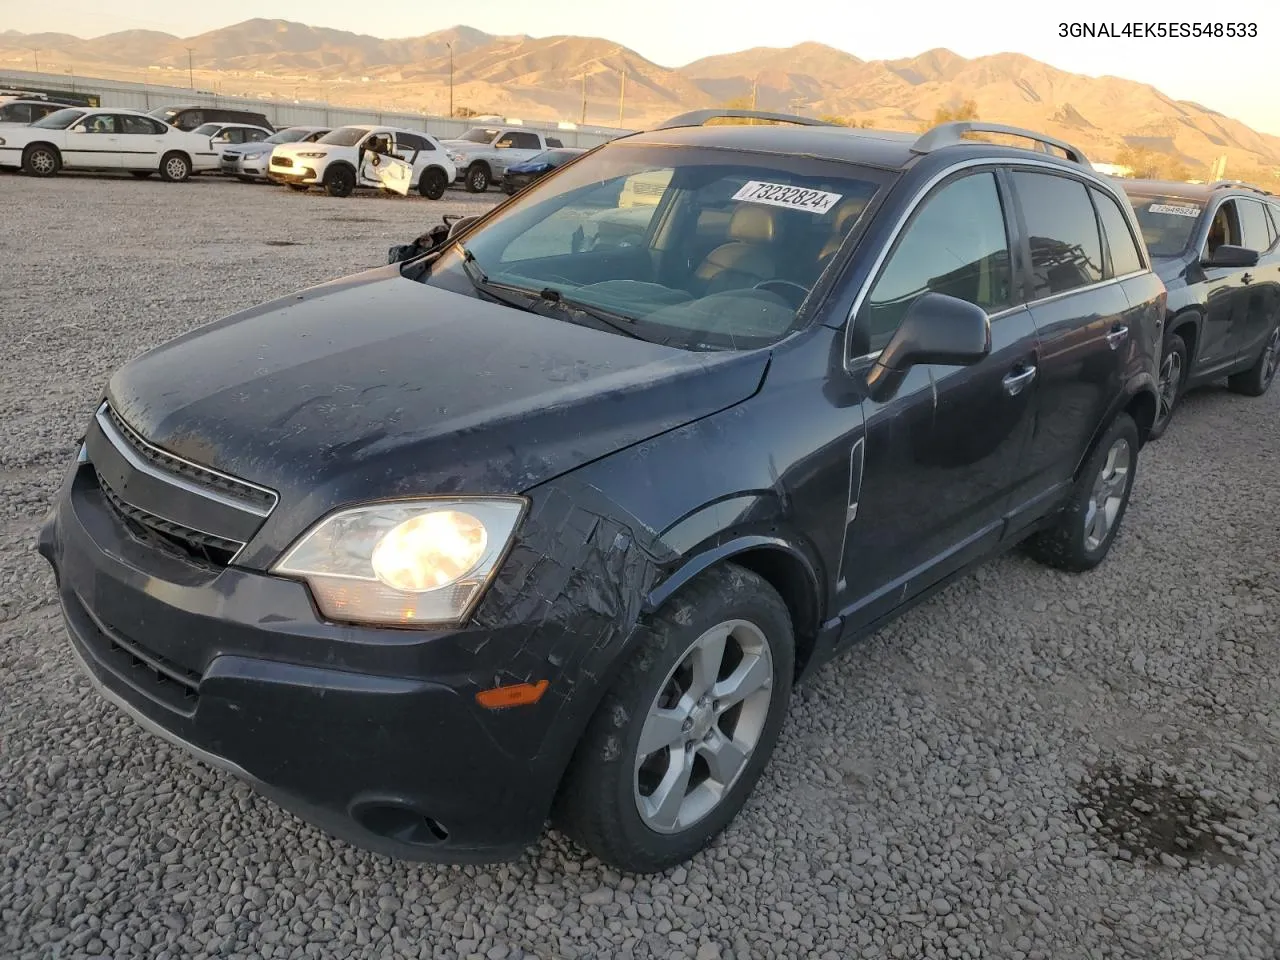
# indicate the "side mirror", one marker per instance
pixel 459 225
pixel 1232 256
pixel 936 329
pixel 80 128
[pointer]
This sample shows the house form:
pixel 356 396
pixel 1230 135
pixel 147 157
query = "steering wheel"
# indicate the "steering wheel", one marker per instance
pixel 793 293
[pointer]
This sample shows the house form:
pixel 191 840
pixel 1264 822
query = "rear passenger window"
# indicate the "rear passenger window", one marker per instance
pixel 553 142
pixel 955 244
pixel 1253 225
pixel 1125 258
pixel 1066 248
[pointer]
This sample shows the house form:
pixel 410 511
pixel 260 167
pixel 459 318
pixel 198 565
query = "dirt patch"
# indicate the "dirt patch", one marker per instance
pixel 283 243
pixel 1154 819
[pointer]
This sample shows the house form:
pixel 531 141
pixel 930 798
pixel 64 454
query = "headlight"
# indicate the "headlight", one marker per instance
pixel 314 154
pixel 404 563
pixel 455 157
pixel 257 155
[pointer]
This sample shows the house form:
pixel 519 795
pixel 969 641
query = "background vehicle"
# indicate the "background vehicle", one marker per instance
pixel 1215 247
pixel 221 134
pixel 570 528
pixel 190 116
pixel 249 163
pixel 482 154
pixel 336 160
pixel 520 175
pixel 16 110
pixel 110 139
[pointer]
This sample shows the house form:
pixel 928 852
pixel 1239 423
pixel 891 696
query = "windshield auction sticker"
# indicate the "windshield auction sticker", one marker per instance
pixel 1174 210
pixel 793 198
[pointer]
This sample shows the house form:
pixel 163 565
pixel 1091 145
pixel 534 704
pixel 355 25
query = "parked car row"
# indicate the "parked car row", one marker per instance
pixel 810 376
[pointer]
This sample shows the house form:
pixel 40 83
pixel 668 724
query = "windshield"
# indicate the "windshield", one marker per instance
pixel 288 136
pixel 557 157
pixel 345 136
pixel 1167 223
pixel 701 249
pixel 207 129
pixel 59 119
pixel 480 134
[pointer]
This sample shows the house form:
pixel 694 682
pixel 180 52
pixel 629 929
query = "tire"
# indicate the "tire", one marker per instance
pixel 340 182
pixel 175 167
pixel 142 174
pixel 1074 543
pixel 1255 381
pixel 1175 363
pixel 600 800
pixel 300 187
pixel 433 183
pixel 41 160
pixel 477 178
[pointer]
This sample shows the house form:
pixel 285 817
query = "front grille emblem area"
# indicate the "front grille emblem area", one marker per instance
pixel 168 501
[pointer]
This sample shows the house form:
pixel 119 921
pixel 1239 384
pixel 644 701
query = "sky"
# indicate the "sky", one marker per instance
pixel 1239 77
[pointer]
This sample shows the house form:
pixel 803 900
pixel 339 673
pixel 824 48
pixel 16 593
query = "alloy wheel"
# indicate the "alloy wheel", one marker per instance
pixel 1170 382
pixel 176 168
pixel 1108 494
pixel 42 162
pixel 703 726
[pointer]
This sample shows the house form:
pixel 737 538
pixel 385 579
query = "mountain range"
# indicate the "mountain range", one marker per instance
pixel 553 78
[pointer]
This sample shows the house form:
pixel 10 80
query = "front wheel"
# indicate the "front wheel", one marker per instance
pixel 42 160
pixel 1255 381
pixel 433 183
pixel 1082 535
pixel 477 179
pixel 175 168
pixel 1174 366
pixel 340 182
pixel 679 741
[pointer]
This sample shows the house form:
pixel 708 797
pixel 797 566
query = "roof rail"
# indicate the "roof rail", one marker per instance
pixel 948 134
pixel 1242 184
pixel 696 118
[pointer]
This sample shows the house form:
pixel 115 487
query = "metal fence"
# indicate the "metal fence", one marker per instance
pixel 284 113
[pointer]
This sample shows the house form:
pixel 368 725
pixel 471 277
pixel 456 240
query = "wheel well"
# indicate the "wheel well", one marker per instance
pixel 1142 408
pixel 337 165
pixel 479 163
pixel 178 153
pixel 41 143
pixel 1185 327
pixel 791 579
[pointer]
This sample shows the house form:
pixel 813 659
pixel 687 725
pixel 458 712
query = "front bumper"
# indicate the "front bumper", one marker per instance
pixel 374 736
pixel 293 175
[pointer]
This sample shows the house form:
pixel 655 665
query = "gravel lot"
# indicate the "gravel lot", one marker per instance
pixel 1031 765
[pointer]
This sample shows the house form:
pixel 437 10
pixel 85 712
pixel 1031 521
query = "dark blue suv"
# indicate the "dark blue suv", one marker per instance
pixel 1216 248
pixel 547 520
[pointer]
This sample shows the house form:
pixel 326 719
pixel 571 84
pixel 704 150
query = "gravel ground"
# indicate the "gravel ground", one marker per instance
pixel 1031 765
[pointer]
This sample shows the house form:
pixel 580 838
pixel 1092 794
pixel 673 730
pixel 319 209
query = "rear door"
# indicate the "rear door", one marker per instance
pixel 1082 315
pixel 1260 285
pixel 141 142
pixel 944 457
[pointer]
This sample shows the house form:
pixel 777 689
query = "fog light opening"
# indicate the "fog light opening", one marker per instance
pixel 398 822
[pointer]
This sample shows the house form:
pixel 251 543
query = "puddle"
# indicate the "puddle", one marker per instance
pixel 1152 817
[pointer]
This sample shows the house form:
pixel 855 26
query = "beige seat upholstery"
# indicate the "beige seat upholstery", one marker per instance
pixel 750 255
pixel 847 214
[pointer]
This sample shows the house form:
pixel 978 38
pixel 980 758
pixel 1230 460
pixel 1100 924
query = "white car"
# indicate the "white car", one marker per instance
pixel 223 134
pixel 78 138
pixel 337 160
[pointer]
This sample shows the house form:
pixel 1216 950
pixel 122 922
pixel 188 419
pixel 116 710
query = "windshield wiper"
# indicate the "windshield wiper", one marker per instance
pixel 475 273
pixel 614 321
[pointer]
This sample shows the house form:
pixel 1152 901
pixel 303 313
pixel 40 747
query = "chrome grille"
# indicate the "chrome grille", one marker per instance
pixel 167 535
pixel 257 499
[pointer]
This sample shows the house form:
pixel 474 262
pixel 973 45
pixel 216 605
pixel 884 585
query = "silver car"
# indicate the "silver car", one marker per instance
pixel 249 161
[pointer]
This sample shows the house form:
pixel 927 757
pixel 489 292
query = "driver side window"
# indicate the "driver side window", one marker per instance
pixel 1225 228
pixel 955 244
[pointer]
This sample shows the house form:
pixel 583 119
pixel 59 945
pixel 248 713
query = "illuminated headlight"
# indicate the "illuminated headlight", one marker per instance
pixel 406 562
pixel 256 155
pixel 314 154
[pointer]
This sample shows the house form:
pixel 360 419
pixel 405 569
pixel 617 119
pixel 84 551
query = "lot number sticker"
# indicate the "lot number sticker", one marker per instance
pixel 1173 210
pixel 793 198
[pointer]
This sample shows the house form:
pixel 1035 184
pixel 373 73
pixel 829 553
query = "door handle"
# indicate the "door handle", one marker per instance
pixel 1016 381
pixel 1117 337
pixel 1247 278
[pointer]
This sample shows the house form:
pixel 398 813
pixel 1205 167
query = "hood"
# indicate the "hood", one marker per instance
pixel 377 386
pixel 293 149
